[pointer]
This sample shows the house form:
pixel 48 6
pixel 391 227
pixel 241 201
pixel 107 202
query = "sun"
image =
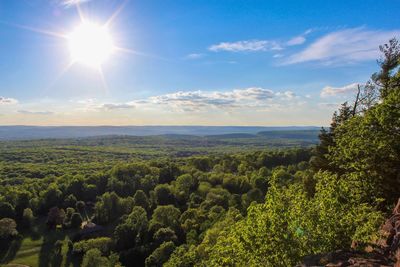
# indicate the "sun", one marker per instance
pixel 90 44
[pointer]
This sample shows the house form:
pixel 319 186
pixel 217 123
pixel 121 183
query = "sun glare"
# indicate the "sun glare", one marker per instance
pixel 90 44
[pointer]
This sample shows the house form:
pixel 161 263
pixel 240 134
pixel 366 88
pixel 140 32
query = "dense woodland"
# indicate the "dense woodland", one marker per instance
pixel 106 206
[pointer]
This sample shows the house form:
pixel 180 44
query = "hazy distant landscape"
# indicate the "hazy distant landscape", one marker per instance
pixel 42 132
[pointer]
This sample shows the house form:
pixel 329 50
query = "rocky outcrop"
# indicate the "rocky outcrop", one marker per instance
pixel 386 251
pixel 345 258
pixel 390 232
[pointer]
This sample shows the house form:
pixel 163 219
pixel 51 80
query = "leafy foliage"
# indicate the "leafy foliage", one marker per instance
pixel 7 228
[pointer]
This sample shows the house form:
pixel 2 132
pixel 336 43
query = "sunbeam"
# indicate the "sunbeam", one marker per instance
pixel 103 79
pixel 80 12
pixel 116 13
pixel 138 53
pixel 60 74
pixel 38 30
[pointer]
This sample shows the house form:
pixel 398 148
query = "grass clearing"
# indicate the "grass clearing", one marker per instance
pixel 36 249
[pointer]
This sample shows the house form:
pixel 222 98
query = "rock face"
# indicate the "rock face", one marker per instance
pixel 386 251
pixel 390 231
pixel 345 258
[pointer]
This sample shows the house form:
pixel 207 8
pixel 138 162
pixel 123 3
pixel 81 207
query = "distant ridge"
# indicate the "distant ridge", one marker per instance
pixel 293 134
pixel 42 132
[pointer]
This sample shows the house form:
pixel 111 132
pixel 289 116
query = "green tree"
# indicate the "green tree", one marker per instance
pixel 164 195
pixel 103 244
pixel 51 197
pixel 184 185
pixel 217 197
pixel 126 178
pixel 80 206
pixel 6 210
pixel 140 199
pixel 160 255
pixel 8 228
pixel 55 217
pixel 110 206
pixel 165 216
pixel 290 226
pixel 93 258
pixel 199 255
pixel 133 230
pixel 320 160
pixel 22 202
pixel 76 220
pixel 27 218
pixel 369 146
pixel 182 256
pixel 168 171
pixel 165 235
pixel 70 201
pixel 76 187
pixel 385 78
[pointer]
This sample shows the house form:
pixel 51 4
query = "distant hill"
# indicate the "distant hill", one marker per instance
pixel 43 132
pixel 232 135
pixel 311 135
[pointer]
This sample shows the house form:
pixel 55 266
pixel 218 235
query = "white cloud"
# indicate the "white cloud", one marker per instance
pixel 298 40
pixel 88 101
pixel 328 91
pixel 27 112
pixel 277 55
pixel 345 46
pixel 8 101
pixel 246 46
pixel 308 31
pixel 113 106
pixel 69 3
pixel 95 105
pixel 286 94
pixel 253 97
pixel 260 45
pixel 195 56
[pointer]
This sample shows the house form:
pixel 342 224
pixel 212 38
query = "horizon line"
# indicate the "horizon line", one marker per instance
pixel 158 125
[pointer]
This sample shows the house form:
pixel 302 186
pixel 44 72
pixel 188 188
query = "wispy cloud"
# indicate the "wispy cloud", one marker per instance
pixel 278 55
pixel 95 105
pixel 8 101
pixel 344 46
pixel 69 3
pixel 253 97
pixel 195 56
pixel 309 31
pixel 298 40
pixel 259 45
pixel 246 46
pixel 28 112
pixel 113 106
pixel 328 91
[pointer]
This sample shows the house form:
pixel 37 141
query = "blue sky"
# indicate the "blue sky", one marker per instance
pixel 220 62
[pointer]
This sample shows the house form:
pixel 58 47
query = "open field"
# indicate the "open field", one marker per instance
pixel 36 248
